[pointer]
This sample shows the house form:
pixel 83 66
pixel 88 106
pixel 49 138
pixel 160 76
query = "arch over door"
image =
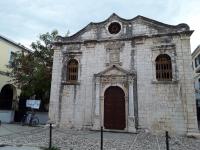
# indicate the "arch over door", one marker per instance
pixel 6 97
pixel 114 108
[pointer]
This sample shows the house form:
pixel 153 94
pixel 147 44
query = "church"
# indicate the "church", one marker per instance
pixel 124 75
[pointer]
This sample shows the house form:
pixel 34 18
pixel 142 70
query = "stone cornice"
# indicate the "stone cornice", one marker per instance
pixel 196 52
pixel 187 33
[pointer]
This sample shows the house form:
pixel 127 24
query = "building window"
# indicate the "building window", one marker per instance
pixel 197 61
pixel 199 83
pixel 11 59
pixel 192 65
pixel 114 28
pixel 163 68
pixel 72 70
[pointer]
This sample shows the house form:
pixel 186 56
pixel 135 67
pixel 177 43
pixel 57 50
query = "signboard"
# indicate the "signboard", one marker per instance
pixel 33 103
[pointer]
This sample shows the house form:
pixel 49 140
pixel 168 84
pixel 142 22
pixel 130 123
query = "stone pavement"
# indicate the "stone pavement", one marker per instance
pixel 18 148
pixel 90 140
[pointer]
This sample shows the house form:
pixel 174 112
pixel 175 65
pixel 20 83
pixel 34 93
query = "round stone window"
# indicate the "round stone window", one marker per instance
pixel 114 28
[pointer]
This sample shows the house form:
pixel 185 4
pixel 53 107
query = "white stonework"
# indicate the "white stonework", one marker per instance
pixel 126 60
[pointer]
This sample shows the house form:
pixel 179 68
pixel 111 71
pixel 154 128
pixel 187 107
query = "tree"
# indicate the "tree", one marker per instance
pixel 32 71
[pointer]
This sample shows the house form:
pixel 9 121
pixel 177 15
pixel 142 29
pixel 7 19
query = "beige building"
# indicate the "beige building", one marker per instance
pixel 8 92
pixel 124 75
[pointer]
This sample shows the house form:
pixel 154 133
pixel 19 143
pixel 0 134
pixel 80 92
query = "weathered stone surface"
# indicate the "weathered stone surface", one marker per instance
pixel 127 60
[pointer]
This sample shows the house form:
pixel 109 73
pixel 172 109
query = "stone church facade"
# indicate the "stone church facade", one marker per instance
pixel 124 75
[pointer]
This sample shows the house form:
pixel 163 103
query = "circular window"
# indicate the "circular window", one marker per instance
pixel 114 28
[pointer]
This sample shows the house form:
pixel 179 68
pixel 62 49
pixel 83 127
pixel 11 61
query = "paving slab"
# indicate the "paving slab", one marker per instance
pixel 19 148
pixel 6 129
pixel 70 139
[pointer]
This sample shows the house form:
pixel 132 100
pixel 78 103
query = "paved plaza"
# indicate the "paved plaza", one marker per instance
pixel 34 138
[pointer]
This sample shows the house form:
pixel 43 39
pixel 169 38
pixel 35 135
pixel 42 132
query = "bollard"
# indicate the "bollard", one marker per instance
pixel 101 138
pixel 167 140
pixel 50 134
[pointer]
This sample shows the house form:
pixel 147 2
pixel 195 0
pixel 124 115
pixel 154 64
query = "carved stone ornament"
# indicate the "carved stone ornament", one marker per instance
pixel 114 56
pixel 164 47
pixel 114 45
pixel 112 79
pixel 73 47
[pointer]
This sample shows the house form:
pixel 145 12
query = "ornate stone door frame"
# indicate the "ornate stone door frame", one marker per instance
pixel 102 102
pixel 124 80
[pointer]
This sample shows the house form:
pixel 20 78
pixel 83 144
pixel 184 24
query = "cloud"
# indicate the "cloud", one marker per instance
pixel 24 20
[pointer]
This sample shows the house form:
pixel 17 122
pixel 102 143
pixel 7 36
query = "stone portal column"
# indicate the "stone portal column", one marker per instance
pixel 131 118
pixel 96 124
pixel 189 102
pixel 54 105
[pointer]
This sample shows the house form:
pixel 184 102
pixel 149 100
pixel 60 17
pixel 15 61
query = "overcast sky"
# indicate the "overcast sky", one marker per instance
pixel 23 20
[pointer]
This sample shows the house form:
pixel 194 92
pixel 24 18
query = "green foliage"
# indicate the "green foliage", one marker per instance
pixel 32 71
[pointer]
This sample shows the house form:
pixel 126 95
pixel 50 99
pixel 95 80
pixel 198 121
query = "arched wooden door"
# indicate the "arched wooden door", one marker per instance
pixel 114 108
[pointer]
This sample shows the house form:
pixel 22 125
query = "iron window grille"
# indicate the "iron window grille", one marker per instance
pixel 72 70
pixel 163 68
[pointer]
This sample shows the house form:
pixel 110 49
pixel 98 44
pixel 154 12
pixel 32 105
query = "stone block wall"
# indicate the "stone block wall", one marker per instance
pixel 158 105
pixel 166 105
pixel 54 105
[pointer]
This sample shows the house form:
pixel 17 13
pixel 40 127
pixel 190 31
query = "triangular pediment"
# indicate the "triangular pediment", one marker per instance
pixel 114 71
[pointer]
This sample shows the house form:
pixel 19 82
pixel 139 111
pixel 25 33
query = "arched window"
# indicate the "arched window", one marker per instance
pixel 72 70
pixel 163 68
